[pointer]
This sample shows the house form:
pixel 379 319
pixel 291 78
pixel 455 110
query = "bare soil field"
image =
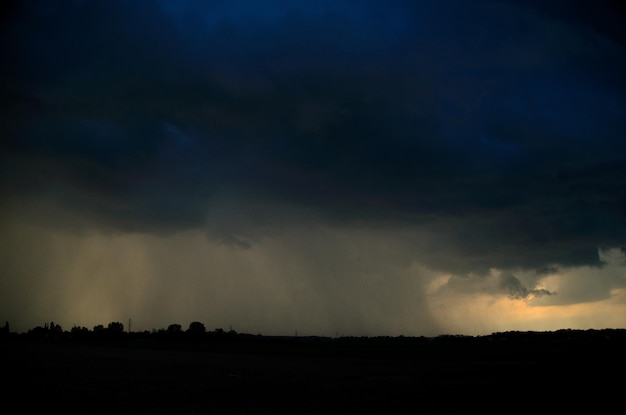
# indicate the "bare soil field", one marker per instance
pixel 118 378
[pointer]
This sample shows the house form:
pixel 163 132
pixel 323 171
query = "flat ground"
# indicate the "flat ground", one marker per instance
pixel 118 379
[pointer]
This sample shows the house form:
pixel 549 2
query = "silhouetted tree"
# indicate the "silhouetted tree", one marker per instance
pixel 174 329
pixel 39 332
pixel 55 329
pixel 196 328
pixel 115 327
pixel 79 331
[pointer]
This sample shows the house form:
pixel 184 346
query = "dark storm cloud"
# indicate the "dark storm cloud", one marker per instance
pixel 499 285
pixel 496 124
pixel 515 289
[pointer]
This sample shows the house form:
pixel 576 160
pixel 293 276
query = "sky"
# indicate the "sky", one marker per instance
pixel 334 168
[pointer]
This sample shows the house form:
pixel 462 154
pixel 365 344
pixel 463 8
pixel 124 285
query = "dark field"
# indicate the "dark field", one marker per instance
pixel 504 374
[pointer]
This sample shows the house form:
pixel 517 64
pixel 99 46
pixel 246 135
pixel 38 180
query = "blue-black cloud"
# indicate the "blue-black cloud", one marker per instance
pixel 500 124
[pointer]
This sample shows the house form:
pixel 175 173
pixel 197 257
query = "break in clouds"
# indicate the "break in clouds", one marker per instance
pixel 331 167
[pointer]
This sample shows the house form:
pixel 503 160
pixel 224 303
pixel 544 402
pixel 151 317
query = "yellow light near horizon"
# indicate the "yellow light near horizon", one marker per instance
pixel 470 314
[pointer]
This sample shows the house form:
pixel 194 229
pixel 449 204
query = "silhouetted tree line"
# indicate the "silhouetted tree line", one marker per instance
pixel 500 345
pixel 116 330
